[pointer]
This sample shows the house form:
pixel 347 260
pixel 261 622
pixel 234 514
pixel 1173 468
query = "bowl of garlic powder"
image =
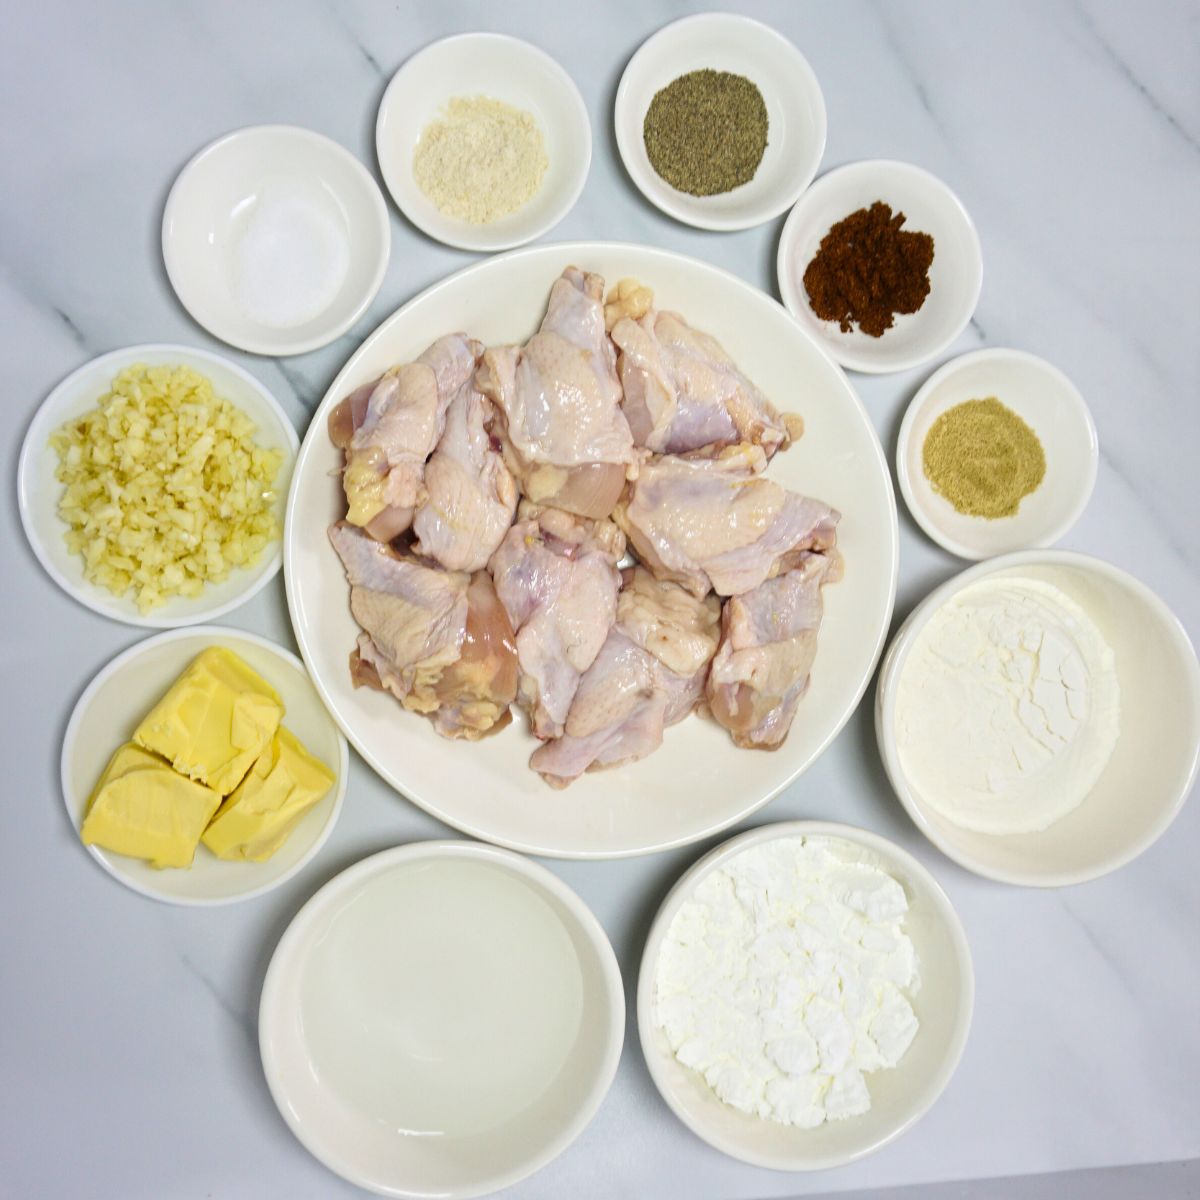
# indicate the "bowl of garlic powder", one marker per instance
pixel 1039 717
pixel 805 995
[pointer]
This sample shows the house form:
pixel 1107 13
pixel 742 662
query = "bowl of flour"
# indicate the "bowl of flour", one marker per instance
pixel 1039 717
pixel 805 995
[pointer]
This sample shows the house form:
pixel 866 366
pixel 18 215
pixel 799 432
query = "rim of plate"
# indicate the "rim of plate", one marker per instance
pixel 105 603
pixel 111 668
pixel 282 347
pixel 315 429
pixel 843 353
pixel 1071 395
pixel 482 243
pixel 687 882
pixel 665 201
pixel 885 711
pixel 291 944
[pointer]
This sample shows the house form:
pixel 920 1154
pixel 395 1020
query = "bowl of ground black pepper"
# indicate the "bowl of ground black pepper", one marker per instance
pixel 880 261
pixel 996 453
pixel 720 121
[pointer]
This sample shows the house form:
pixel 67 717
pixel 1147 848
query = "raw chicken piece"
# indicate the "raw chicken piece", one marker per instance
pixel 471 495
pixel 439 641
pixel 558 404
pixel 557 579
pixel 768 642
pixel 683 392
pixel 389 428
pixel 710 522
pixel 649 674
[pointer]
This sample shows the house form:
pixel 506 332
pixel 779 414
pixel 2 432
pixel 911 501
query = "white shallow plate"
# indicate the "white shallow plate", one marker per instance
pixel 112 707
pixel 955 276
pixel 358 1002
pixel 38 492
pixel 1154 762
pixel 900 1096
pixel 795 112
pixel 507 69
pixel 1050 404
pixel 215 197
pixel 698 782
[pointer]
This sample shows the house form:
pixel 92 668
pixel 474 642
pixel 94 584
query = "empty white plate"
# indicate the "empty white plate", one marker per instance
pixel 441 1019
pixel 929 206
pixel 795 113
pixel 1046 400
pixel 275 239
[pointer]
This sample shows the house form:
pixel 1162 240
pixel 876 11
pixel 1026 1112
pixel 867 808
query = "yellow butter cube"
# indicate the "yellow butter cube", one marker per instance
pixel 284 783
pixel 217 718
pixel 144 809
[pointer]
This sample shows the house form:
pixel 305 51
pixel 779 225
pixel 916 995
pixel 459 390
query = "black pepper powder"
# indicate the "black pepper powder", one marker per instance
pixel 706 132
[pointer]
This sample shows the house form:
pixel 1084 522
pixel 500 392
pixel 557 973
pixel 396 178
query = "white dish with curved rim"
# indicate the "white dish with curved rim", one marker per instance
pixel 38 491
pixel 448 1053
pixel 1050 404
pixel 900 1096
pixel 1154 762
pixel 929 206
pixel 506 69
pixel 115 702
pixel 698 782
pixel 795 115
pixel 250 206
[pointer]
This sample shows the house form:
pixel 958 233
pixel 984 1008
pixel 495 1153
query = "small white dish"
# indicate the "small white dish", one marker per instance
pixel 275 239
pixel 899 1097
pixel 38 491
pixel 115 702
pixel 506 69
pixel 441 1019
pixel 795 114
pixel 1153 766
pixel 1050 404
pixel 929 206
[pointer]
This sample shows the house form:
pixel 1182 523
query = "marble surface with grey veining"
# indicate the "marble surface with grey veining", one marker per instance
pixel 128 1051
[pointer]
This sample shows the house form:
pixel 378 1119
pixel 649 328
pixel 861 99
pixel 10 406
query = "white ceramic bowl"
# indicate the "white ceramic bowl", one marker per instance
pixel 507 69
pixel 899 1097
pixel 113 705
pixel 357 1001
pixel 955 276
pixel 699 782
pixel 795 112
pixel 1050 404
pixel 38 492
pixel 306 190
pixel 1153 766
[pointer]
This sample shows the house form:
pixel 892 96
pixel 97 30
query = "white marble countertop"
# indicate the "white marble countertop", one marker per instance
pixel 1072 133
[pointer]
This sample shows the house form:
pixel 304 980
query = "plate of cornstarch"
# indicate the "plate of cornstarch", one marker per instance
pixel 483 141
pixel 720 121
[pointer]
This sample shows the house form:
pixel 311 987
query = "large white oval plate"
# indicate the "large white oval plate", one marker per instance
pixel 698 783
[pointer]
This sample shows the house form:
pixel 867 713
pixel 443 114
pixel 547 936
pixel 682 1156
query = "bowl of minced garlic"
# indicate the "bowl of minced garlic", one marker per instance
pixel 484 141
pixel 996 453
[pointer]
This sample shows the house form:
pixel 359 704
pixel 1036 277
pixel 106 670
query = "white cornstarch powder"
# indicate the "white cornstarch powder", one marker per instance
pixel 480 161
pixel 1008 707
pixel 786 977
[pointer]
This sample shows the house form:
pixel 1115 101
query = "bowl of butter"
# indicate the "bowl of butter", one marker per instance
pixel 200 767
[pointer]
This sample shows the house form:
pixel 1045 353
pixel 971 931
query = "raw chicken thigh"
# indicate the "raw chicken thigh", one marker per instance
pixel 390 427
pixel 557 578
pixel 439 641
pixel 649 674
pixel 471 495
pixel 683 392
pixel 711 523
pixel 768 642
pixel 558 404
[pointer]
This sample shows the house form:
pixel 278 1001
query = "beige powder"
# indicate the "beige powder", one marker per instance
pixel 481 161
